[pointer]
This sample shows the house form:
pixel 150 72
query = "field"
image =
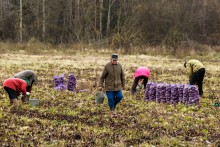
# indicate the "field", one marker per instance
pixel 66 118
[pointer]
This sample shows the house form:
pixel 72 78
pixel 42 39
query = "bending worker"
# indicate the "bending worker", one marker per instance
pixel 196 72
pixel 141 76
pixel 29 75
pixel 14 87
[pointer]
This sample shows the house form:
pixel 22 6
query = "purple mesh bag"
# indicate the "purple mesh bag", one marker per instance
pixel 71 85
pixel 59 83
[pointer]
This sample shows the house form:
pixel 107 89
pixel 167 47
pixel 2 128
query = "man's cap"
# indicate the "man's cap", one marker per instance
pixel 114 56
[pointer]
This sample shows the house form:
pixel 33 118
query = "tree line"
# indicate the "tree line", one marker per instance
pixel 121 23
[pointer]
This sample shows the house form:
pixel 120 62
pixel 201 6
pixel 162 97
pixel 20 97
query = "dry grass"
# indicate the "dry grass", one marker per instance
pixel 34 47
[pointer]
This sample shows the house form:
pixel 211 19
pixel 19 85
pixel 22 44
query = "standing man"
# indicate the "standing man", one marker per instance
pixel 114 79
pixel 196 71
pixel 27 75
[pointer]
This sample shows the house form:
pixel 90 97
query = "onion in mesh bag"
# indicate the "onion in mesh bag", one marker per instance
pixel 71 84
pixel 193 95
pixel 59 83
pixel 174 94
pixel 147 91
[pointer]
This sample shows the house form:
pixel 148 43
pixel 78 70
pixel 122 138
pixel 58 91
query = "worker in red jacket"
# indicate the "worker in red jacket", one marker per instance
pixel 14 87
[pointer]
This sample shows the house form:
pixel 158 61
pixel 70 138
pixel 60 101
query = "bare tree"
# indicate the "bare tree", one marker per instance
pixel 109 17
pixel 1 11
pixel 78 26
pixel 21 23
pixel 100 18
pixel 44 20
pixel 70 20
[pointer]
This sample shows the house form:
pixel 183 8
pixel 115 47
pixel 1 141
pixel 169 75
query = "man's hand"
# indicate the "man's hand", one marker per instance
pixel 124 88
pixel 100 89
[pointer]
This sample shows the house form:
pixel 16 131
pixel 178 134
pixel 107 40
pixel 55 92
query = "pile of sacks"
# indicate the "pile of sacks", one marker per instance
pixel 80 85
pixel 59 82
pixel 172 93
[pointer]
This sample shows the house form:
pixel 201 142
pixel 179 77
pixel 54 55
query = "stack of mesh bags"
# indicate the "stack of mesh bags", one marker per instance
pixel 59 82
pixel 172 93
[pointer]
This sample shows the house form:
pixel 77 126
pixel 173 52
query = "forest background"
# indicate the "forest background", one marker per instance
pixel 129 25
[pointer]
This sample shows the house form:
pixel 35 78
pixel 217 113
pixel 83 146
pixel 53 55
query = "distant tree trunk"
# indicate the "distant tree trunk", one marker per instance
pixel 70 4
pixel 1 13
pixel 95 23
pixel 204 17
pixel 44 21
pixel 21 35
pixel 119 16
pixel 77 12
pixel 108 19
pixel 100 19
pixel 1 20
pixel 38 6
pixel 77 21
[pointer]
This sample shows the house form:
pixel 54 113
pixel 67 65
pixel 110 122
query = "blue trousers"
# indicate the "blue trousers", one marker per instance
pixel 114 97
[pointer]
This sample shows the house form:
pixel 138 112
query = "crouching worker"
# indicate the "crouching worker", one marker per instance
pixel 14 87
pixel 141 76
pixel 30 76
pixel 196 72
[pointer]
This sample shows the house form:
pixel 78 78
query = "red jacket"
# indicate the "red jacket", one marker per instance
pixel 16 84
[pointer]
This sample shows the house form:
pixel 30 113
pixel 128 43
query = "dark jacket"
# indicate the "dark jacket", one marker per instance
pixel 113 76
pixel 28 74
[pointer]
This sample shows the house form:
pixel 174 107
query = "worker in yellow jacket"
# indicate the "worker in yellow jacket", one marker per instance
pixel 195 71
